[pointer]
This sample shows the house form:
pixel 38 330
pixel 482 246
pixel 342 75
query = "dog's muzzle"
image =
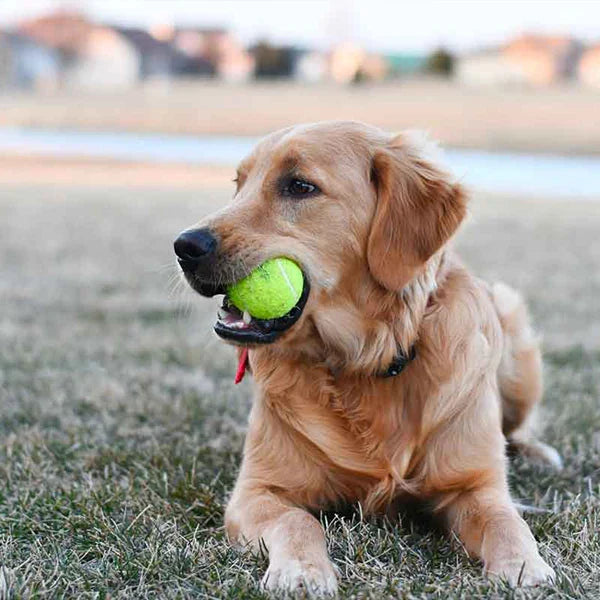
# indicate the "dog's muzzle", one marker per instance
pixel 196 251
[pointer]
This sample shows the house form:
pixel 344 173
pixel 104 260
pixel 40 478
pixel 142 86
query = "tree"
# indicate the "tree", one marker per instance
pixel 272 61
pixel 440 62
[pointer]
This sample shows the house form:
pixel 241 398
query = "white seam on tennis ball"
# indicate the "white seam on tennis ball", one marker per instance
pixel 285 276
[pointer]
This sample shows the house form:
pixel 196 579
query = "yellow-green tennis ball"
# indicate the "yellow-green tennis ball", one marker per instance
pixel 270 291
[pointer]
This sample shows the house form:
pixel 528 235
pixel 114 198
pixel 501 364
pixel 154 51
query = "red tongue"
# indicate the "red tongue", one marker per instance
pixel 242 364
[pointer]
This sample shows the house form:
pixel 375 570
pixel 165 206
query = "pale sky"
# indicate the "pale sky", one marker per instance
pixel 384 25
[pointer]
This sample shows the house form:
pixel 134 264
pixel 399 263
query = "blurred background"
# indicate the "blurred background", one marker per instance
pixel 120 125
pixel 518 76
pixel 198 82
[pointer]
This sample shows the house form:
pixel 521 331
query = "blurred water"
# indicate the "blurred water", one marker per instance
pixel 509 172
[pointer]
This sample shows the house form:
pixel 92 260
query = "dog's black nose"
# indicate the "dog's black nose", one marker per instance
pixel 195 245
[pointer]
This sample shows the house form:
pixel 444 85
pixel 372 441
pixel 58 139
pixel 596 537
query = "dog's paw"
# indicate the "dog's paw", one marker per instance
pixel 520 572
pixel 290 575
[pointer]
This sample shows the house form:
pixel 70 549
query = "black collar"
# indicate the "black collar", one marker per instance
pixel 397 365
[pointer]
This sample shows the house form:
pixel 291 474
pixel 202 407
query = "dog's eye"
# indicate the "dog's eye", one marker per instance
pixel 298 188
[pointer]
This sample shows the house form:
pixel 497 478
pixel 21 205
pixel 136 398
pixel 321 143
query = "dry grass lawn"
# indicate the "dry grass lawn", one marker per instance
pixel 556 119
pixel 121 428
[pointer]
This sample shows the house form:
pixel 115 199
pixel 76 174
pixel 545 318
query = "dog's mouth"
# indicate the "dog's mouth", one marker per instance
pixel 239 327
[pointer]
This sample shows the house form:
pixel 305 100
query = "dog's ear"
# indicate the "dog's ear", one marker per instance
pixel 418 209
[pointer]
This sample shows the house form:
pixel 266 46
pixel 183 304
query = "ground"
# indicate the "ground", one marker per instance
pixel 561 119
pixel 121 428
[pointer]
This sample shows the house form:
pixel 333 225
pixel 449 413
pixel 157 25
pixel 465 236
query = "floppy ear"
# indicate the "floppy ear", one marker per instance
pixel 418 210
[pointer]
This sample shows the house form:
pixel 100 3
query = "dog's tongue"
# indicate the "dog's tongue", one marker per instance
pixel 242 364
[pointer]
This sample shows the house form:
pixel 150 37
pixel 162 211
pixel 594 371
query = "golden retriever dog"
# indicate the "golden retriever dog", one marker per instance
pixel 398 374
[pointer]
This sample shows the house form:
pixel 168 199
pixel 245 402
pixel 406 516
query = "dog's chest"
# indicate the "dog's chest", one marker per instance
pixel 348 438
pixel 356 446
pixel 368 419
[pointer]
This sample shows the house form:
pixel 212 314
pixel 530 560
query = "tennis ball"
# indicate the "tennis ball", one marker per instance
pixel 270 291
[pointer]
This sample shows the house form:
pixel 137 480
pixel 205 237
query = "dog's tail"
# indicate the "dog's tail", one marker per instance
pixel 520 376
pixel 520 371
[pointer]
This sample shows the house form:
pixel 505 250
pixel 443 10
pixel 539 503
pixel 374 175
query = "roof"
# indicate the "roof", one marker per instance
pixel 64 31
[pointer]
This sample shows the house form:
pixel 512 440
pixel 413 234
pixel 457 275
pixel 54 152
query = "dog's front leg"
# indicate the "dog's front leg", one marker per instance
pixel 490 527
pixel 294 540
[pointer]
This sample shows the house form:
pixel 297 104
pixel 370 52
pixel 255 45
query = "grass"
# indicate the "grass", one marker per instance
pixel 121 429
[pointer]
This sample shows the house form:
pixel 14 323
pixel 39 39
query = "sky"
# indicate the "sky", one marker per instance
pixel 378 25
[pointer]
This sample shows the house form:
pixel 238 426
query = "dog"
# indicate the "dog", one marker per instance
pixel 398 374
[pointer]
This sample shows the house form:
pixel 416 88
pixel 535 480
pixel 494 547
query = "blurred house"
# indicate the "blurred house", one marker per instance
pixel 534 60
pixel 488 68
pixel 168 51
pixel 90 56
pixel 63 31
pixel 104 56
pixel 105 59
pixel 219 48
pixel 159 58
pixel 544 59
pixel 25 64
pixel 588 69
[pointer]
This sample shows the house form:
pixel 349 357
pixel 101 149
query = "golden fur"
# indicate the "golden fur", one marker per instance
pixel 324 429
